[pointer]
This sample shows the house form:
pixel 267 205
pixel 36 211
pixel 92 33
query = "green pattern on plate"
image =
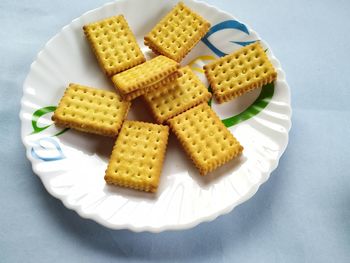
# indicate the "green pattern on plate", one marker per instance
pixel 258 105
pixel 37 114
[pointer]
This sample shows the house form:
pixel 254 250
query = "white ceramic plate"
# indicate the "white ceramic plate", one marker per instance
pixel 71 165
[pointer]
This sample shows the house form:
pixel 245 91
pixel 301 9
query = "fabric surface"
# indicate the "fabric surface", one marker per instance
pixel 302 214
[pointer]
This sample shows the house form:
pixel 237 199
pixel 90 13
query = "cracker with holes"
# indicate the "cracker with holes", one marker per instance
pixel 91 110
pixel 240 72
pixel 177 33
pixel 114 44
pixel 182 94
pixel 205 138
pixel 137 157
pixel 151 75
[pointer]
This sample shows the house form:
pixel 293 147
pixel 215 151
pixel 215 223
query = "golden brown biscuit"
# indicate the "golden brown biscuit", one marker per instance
pixel 205 138
pixel 177 33
pixel 114 44
pixel 160 85
pixel 91 110
pixel 138 155
pixel 150 75
pixel 240 72
pixel 180 95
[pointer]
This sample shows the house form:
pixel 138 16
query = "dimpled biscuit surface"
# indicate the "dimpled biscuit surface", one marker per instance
pixel 180 95
pixel 146 74
pixel 205 138
pixel 91 110
pixel 137 157
pixel 177 33
pixel 160 85
pixel 240 72
pixel 114 44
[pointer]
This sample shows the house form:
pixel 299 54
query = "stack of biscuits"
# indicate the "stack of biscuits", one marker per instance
pixel 175 95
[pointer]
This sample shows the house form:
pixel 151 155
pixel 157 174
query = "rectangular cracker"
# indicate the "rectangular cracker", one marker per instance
pixel 114 44
pixel 180 95
pixel 145 75
pixel 91 110
pixel 137 157
pixel 177 33
pixel 160 85
pixel 205 138
pixel 240 72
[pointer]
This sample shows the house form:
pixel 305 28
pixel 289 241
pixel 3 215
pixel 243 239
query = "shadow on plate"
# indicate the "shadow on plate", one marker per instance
pixel 89 143
pixel 129 193
pixel 213 177
pixel 140 111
